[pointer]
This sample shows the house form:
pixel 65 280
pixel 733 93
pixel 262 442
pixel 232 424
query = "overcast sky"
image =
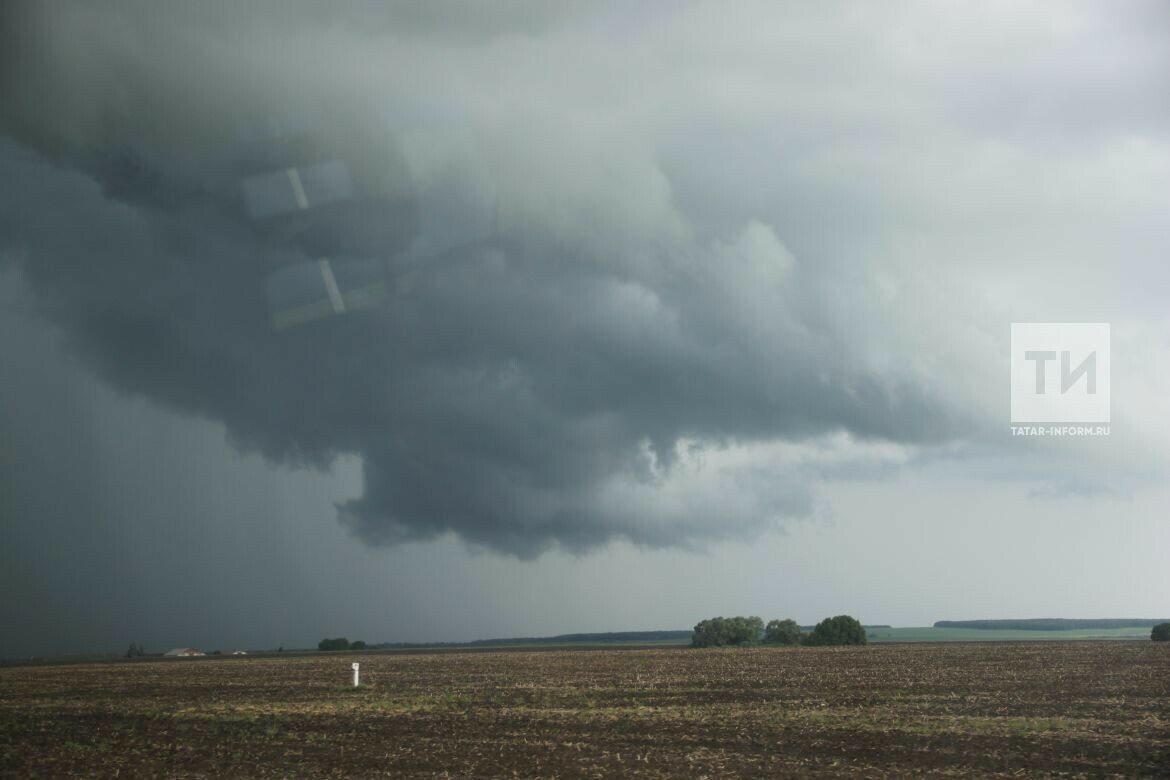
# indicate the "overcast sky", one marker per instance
pixel 625 316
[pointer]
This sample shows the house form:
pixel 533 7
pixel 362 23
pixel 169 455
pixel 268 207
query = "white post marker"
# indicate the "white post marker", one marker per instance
pixel 356 672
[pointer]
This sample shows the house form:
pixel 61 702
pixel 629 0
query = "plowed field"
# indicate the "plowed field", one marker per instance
pixel 1077 708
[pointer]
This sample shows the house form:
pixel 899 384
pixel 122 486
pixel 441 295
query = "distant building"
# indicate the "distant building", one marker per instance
pixel 183 652
pixel 239 652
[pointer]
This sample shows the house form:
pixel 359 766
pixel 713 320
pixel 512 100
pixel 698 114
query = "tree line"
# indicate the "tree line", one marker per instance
pixel 1050 624
pixel 340 643
pixel 743 631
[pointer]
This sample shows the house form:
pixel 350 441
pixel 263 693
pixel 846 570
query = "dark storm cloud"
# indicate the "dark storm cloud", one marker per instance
pixel 559 349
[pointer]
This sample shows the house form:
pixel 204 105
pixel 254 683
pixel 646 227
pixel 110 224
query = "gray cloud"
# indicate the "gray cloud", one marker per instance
pixel 575 301
pixel 1071 489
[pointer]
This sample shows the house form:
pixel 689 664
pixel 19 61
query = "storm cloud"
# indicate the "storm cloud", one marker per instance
pixel 594 313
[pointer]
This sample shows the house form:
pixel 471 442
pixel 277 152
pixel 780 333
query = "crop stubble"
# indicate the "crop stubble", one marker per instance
pixel 1080 708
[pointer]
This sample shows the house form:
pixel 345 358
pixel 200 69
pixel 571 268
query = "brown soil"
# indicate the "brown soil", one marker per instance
pixel 1077 709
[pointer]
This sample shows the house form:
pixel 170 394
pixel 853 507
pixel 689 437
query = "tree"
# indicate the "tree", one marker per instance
pixel 839 630
pixel 782 632
pixel 709 633
pixel 341 643
pixel 1161 632
pixel 720 631
pixel 135 651
pixel 358 645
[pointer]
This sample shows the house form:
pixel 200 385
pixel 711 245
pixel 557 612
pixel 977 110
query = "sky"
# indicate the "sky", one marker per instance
pixel 429 322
